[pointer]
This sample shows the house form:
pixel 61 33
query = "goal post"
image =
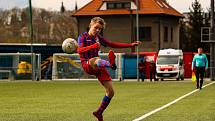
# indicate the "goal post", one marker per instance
pixel 18 66
pixel 68 67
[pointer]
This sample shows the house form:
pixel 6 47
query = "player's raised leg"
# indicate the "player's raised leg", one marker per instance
pixel 98 62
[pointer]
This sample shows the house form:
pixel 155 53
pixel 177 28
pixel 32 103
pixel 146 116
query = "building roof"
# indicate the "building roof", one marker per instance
pixel 146 7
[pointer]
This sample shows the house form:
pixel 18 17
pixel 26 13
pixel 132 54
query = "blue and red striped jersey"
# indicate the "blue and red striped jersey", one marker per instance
pixel 85 40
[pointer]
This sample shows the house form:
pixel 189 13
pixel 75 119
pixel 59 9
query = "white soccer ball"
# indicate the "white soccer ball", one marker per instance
pixel 69 45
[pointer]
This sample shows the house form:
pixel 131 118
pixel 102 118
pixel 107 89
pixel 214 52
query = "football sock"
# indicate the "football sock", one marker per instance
pixel 105 102
pixel 103 63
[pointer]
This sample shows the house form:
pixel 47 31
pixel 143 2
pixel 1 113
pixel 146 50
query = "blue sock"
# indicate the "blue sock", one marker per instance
pixel 105 102
pixel 103 63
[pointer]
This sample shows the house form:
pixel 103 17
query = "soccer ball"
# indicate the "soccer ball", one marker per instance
pixel 69 45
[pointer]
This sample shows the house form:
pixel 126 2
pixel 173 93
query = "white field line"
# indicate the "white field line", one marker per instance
pixel 167 105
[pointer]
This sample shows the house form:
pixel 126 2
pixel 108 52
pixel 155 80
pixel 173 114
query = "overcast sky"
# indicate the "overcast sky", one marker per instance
pixel 180 5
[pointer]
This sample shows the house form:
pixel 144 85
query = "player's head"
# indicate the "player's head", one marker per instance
pixel 200 50
pixel 97 24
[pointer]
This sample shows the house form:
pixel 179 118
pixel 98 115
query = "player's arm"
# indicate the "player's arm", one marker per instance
pixel 117 44
pixel 206 62
pixel 122 45
pixel 193 62
pixel 87 48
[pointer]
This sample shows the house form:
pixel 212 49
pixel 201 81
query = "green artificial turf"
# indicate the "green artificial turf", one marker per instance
pixel 75 101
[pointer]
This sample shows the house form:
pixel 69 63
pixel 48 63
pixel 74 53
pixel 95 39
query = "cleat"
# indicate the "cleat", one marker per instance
pixel 111 57
pixel 99 117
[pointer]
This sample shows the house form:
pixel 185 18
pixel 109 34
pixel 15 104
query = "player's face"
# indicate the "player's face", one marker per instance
pixel 95 29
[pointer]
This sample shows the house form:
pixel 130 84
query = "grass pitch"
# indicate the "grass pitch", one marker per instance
pixel 75 101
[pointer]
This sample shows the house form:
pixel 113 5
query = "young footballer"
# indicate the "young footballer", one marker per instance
pixel 88 47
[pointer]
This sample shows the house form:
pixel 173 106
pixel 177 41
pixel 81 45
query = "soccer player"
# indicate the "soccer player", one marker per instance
pixel 200 61
pixel 88 47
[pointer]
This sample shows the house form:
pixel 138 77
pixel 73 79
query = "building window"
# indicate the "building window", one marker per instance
pixel 165 34
pixel 110 5
pixel 172 35
pixel 144 33
pixel 118 5
pixel 127 5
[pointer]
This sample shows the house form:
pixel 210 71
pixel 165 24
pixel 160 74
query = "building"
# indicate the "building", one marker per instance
pixel 158 22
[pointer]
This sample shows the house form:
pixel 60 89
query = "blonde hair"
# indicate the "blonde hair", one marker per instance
pixel 97 20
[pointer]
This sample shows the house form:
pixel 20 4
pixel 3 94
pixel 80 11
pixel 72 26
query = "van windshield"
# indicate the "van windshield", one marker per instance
pixel 163 60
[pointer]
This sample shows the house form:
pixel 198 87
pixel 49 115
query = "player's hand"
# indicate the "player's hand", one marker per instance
pixel 97 45
pixel 136 43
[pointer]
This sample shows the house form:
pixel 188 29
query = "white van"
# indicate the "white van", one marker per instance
pixel 169 64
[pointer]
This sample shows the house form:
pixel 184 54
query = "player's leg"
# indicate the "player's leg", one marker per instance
pixel 106 99
pixel 98 62
pixel 102 63
pixel 105 80
pixel 109 93
pixel 92 62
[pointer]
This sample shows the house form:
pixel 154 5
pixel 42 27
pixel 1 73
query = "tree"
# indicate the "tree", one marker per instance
pixel 50 27
pixel 194 28
pixel 183 39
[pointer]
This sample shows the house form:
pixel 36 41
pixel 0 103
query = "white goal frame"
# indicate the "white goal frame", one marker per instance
pixel 71 63
pixel 9 67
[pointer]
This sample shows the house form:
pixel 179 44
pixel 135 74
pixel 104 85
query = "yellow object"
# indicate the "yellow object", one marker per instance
pixel 193 77
pixel 70 61
pixel 24 68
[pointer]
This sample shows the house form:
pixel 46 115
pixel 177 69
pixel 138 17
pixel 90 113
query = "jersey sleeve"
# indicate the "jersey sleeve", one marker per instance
pixel 106 42
pixel 206 62
pixel 193 62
